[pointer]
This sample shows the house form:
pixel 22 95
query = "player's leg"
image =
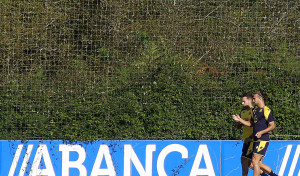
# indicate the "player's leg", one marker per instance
pixel 246 157
pixel 262 172
pixel 247 154
pixel 265 167
pixel 260 149
pixel 256 164
pixel 245 165
pixel 258 154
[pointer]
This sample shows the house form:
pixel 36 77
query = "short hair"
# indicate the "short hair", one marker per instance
pixel 264 96
pixel 248 95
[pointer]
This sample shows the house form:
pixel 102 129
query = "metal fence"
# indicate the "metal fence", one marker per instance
pixel 134 64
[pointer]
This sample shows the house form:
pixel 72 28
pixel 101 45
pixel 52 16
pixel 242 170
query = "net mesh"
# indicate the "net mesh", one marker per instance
pixel 144 69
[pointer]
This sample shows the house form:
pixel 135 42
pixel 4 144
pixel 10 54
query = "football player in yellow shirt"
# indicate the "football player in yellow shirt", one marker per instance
pixel 247 135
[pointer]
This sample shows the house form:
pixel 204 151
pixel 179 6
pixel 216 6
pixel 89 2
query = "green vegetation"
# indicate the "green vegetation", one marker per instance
pixel 110 69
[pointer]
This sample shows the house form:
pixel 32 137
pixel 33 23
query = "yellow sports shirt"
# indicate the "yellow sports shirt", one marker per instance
pixel 247 115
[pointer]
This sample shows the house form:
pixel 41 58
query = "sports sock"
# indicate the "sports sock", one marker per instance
pixel 264 174
pixel 272 174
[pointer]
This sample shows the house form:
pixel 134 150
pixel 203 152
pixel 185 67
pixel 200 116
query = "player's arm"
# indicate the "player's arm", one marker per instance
pixel 270 128
pixel 238 125
pixel 237 118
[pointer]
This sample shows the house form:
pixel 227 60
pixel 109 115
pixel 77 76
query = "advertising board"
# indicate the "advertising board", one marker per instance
pixel 139 157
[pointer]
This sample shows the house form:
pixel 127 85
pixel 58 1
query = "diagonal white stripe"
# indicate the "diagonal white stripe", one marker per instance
pixel 26 159
pixel 285 160
pixel 294 162
pixel 15 160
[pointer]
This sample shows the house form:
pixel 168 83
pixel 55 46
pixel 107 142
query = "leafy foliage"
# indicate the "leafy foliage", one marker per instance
pixel 88 70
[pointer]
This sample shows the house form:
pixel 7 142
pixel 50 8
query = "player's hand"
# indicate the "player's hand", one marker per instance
pixel 236 117
pixel 258 134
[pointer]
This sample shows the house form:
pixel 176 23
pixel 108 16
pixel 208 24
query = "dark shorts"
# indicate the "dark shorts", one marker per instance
pixel 260 147
pixel 247 150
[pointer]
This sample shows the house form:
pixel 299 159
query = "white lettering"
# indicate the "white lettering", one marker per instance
pixel 103 152
pixel 131 159
pixel 130 155
pixel 285 159
pixel 26 159
pixel 42 151
pixel 294 162
pixel 66 163
pixel 202 152
pixel 163 154
pixel 15 161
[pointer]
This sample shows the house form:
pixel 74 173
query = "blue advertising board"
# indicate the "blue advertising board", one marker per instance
pixel 139 157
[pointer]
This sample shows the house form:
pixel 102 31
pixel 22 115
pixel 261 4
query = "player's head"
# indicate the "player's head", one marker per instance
pixel 260 97
pixel 247 99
